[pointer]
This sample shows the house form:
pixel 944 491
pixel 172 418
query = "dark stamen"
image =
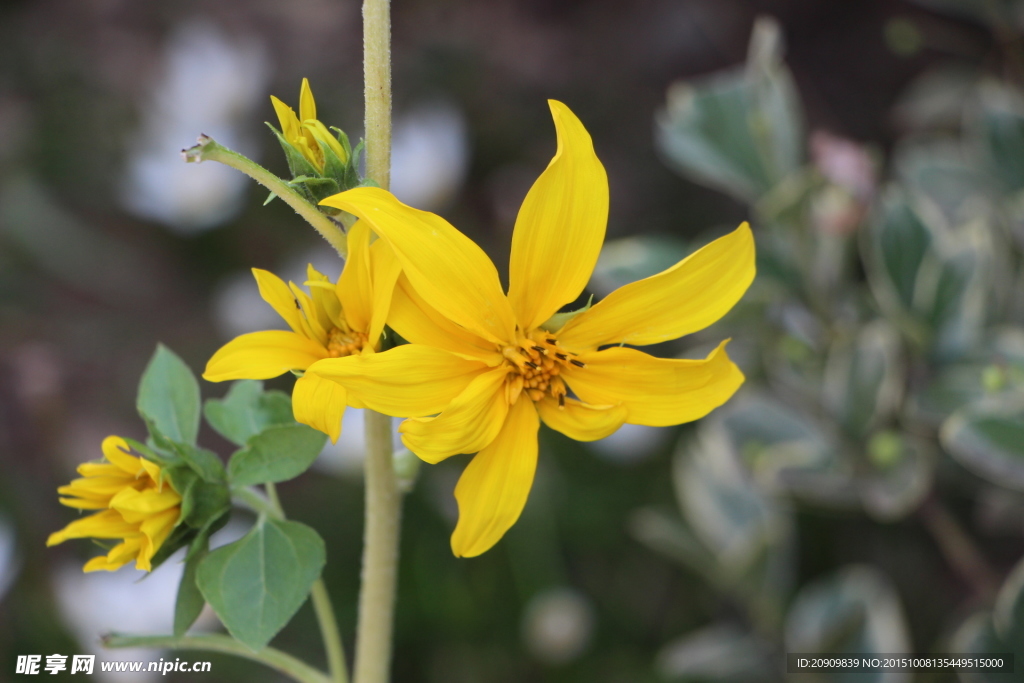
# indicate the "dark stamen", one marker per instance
pixel 561 400
pixel 539 348
pixel 561 356
pixel 297 304
pixel 579 364
pixel 532 365
pixel 551 341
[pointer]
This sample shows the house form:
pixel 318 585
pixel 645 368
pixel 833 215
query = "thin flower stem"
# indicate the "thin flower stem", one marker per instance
pixel 270 505
pixel 209 150
pixel 380 554
pixel 215 642
pixel 330 632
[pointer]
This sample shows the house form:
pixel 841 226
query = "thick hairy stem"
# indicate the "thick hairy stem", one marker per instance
pixel 380 555
pixel 383 500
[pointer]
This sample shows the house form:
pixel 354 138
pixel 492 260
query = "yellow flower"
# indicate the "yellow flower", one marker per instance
pixel 329 322
pixel 305 132
pixel 136 503
pixel 493 369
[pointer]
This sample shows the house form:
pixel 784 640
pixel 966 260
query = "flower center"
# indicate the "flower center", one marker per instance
pixel 344 342
pixel 537 362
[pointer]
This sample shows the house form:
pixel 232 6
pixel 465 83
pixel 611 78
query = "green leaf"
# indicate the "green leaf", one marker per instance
pixel 722 653
pixel 987 437
pixel 999 129
pixel 739 131
pixel 864 378
pixel 189 602
pixel 169 397
pixel 256 584
pixel 247 410
pixel 900 239
pixel 855 610
pixel 746 531
pixel 276 454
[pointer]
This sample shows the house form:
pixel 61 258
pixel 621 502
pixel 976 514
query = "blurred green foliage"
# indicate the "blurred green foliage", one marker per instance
pixel 885 350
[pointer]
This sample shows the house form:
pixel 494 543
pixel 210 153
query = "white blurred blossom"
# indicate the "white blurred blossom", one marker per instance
pixel 429 155
pixel 557 625
pixel 211 84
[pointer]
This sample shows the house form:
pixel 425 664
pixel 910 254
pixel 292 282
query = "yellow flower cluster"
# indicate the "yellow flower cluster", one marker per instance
pixel 137 505
pixel 305 132
pixel 483 368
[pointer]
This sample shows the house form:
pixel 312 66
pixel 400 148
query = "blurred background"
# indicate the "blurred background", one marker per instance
pixel 864 492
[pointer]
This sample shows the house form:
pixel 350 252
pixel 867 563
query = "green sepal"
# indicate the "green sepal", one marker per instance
pixel 270 197
pixel 559 320
pixel 189 603
pixel 298 165
pixel 345 144
pixel 334 167
pixel 316 187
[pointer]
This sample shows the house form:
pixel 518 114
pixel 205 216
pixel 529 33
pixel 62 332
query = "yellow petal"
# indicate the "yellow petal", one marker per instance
pixel 581 421
pixel 311 325
pixel 106 524
pixel 286 116
pixel 493 489
pixel 276 293
pixel 560 227
pixel 138 506
pixel 325 299
pixel 687 297
pixel 96 488
pixel 307 105
pixel 262 355
pixel 119 556
pixel 418 322
pixel 470 422
pixel 355 286
pixel 451 272
pixel 655 391
pixel 407 381
pixel 155 531
pixel 101 469
pixel 319 403
pixel 386 269
pixel 115 450
pixel 83 503
pixel 323 137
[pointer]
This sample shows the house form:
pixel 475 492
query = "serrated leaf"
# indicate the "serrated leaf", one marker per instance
pixel 256 584
pixel 276 454
pixel 189 602
pixel 987 437
pixel 169 397
pixel 247 410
